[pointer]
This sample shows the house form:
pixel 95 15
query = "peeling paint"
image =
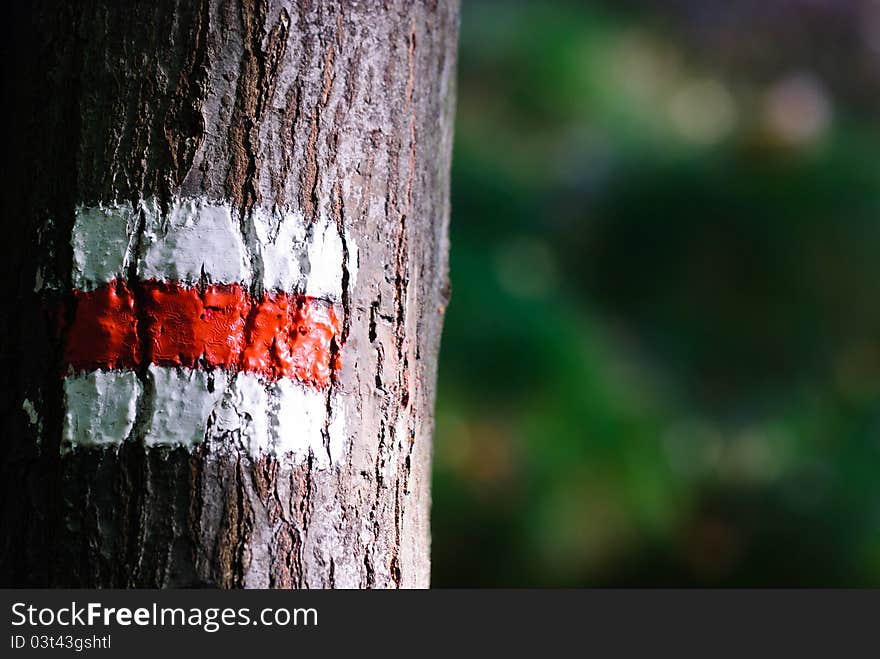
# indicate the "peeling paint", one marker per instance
pixel 282 418
pixel 34 419
pixel 31 412
pixel 244 411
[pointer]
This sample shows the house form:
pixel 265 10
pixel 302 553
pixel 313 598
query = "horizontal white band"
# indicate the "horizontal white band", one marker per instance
pixel 196 239
pixel 187 407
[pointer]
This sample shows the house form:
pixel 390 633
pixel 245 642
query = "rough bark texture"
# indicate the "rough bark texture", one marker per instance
pixel 341 108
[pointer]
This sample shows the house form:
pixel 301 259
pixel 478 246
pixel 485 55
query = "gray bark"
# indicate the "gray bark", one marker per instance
pixel 342 108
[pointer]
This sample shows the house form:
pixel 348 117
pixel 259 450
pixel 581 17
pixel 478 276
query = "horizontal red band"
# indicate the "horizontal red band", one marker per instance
pixel 278 335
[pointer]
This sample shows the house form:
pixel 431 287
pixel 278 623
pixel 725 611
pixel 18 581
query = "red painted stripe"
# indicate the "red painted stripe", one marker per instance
pixel 278 335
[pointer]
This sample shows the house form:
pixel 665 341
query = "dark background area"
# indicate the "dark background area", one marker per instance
pixel 661 362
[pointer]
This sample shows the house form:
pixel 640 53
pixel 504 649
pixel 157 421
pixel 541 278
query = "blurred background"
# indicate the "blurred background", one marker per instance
pixel 661 362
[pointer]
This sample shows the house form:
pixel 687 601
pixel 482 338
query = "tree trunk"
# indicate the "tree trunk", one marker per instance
pixel 225 277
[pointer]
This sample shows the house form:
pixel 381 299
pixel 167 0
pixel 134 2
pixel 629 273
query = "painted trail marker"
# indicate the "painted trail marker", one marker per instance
pixel 181 335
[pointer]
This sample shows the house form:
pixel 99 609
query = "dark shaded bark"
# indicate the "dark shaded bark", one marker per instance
pixel 335 108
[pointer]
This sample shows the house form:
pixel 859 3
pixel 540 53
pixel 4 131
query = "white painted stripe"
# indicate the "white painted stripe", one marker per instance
pixel 100 408
pixel 283 418
pixel 181 403
pixel 283 249
pixel 193 239
pixel 298 423
pixel 244 409
pixel 325 262
pixel 188 407
pixel 196 238
pixel 101 244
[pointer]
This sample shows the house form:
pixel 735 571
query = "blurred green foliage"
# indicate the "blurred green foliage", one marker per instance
pixel 661 362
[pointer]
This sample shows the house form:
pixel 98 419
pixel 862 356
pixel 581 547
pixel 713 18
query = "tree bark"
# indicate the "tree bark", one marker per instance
pixel 317 116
